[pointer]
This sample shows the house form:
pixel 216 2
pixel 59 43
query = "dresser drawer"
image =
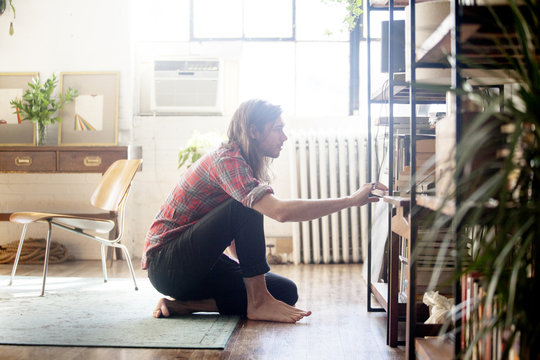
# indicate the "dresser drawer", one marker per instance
pixel 88 161
pixel 61 159
pixel 28 161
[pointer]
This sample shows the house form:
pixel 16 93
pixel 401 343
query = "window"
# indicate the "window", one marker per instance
pixel 242 20
pixel 291 52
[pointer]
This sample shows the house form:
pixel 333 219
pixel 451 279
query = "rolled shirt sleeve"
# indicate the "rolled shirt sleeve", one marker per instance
pixel 236 178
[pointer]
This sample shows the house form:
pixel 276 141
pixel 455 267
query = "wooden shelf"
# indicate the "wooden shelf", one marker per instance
pixel 434 349
pixel 401 95
pixel 398 201
pixel 476 40
pixel 436 47
pixel 402 125
pixel 386 3
pixel 380 291
pixel 435 203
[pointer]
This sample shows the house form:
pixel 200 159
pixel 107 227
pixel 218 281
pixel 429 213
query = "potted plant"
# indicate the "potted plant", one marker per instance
pixel 198 145
pixel 41 106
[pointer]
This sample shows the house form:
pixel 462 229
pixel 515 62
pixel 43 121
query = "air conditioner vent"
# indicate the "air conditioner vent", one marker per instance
pixel 188 86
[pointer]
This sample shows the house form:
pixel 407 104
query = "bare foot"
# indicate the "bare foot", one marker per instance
pixel 270 309
pixel 167 307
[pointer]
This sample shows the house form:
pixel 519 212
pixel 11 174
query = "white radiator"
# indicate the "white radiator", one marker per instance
pixel 328 164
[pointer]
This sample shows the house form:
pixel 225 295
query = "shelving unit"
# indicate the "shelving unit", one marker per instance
pixel 465 32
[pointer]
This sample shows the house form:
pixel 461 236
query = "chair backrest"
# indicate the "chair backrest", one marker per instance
pixel 114 184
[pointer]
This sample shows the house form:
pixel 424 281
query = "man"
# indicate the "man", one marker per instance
pixel 219 203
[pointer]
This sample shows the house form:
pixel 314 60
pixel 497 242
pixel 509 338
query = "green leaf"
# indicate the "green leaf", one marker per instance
pixel 13 9
pixel 38 103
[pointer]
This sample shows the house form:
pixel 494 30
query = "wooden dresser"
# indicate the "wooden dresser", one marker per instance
pixel 62 159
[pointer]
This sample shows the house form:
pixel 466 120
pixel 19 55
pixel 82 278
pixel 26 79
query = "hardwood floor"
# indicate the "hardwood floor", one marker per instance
pixel 339 328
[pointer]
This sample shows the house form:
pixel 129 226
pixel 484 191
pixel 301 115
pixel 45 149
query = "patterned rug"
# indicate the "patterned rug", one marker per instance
pixel 89 312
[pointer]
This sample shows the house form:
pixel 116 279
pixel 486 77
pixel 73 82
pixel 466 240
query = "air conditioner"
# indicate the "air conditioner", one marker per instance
pixel 187 86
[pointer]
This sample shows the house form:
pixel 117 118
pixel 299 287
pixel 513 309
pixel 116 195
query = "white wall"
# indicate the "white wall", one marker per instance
pixel 57 36
pixel 52 37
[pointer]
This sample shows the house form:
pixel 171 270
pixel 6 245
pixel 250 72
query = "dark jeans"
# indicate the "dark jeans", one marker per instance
pixel 193 267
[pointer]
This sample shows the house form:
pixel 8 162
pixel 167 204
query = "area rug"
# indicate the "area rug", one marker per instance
pixel 89 312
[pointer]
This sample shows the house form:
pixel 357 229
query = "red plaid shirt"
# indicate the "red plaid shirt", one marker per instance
pixel 216 177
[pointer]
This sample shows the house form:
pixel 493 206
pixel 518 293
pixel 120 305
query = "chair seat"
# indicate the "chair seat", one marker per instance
pixel 83 223
pixel 110 195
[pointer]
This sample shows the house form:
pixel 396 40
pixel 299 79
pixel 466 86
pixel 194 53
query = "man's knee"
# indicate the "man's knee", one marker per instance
pixel 282 289
pixel 291 294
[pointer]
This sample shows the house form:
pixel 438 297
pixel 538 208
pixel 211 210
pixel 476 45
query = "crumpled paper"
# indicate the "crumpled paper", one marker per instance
pixel 439 306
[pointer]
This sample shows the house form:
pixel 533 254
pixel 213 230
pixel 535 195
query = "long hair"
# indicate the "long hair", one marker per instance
pixel 257 114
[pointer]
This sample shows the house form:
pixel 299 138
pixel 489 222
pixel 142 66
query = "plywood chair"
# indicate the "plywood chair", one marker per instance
pixel 110 195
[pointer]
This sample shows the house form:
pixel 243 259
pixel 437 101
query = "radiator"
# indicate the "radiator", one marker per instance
pixel 328 164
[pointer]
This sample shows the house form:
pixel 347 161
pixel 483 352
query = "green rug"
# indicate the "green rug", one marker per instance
pixel 89 312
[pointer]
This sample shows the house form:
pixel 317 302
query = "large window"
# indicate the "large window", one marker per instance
pixel 291 52
pixel 242 20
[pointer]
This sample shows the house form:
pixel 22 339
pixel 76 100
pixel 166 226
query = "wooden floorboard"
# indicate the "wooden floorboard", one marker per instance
pixel 339 328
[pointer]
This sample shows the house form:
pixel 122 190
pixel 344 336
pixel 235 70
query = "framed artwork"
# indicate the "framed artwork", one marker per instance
pixel 92 118
pixel 13 131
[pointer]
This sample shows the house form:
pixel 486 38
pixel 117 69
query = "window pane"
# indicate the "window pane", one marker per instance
pixel 268 19
pixel 217 19
pixel 322 73
pixel 267 72
pixel 318 20
pixel 165 20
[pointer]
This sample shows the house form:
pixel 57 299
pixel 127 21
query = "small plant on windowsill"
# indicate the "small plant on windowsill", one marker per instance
pixel 198 145
pixel 40 106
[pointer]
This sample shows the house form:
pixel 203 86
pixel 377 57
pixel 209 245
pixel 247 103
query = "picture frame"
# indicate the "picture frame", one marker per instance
pixel 13 131
pixel 92 118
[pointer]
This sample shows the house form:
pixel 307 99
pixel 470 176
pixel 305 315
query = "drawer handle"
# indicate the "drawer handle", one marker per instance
pixel 92 161
pixel 23 161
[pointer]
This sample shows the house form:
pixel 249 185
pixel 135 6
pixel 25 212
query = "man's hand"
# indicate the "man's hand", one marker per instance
pixel 364 196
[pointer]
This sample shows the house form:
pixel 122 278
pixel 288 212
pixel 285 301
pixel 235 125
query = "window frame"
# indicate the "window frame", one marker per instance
pixel 192 37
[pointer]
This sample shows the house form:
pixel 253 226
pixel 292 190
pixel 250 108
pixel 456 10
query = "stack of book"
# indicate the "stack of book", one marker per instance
pixel 487 342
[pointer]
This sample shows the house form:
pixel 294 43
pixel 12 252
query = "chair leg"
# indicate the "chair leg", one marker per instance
pixel 19 249
pixel 104 262
pixel 128 259
pixel 46 262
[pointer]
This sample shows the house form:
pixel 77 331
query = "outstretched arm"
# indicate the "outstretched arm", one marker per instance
pixel 309 209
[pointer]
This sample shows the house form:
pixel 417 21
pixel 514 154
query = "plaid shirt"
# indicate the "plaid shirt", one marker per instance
pixel 216 177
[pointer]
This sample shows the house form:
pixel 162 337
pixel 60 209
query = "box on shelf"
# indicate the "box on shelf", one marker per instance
pixel 429 15
pixel 445 162
pixel 425 157
pixel 477 156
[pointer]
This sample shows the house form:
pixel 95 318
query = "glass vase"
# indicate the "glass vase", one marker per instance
pixel 41 133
